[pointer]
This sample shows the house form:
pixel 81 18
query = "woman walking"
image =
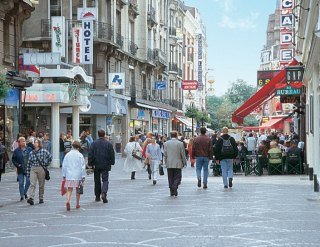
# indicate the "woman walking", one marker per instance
pixel 131 163
pixel 38 159
pixel 154 153
pixel 192 159
pixel 74 173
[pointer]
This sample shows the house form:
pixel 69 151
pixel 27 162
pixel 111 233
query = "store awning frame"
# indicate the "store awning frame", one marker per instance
pixel 265 93
pixel 184 121
pixel 147 106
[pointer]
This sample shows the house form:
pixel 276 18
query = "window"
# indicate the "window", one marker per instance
pixel 6 38
pixel 118 66
pixel 118 24
pixel 56 8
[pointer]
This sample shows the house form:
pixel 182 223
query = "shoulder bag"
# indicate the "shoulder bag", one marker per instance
pixel 136 153
pixel 46 171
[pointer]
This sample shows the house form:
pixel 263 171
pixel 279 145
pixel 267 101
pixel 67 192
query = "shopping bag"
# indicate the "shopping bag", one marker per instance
pixel 63 188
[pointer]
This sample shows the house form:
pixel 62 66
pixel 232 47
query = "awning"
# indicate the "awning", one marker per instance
pixel 184 121
pixel 97 108
pixel 265 93
pixel 147 106
pixel 274 123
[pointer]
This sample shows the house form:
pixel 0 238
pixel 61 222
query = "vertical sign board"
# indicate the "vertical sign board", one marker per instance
pixel 77 45
pixel 58 44
pixel 200 84
pixel 87 35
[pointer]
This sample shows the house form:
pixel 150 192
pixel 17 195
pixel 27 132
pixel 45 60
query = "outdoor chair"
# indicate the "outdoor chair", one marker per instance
pixel 275 168
pixel 293 163
pixel 252 165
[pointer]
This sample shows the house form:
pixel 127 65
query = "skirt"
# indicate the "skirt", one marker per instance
pixel 72 183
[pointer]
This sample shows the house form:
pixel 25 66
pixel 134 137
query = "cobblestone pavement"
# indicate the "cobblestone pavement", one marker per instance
pixel 257 211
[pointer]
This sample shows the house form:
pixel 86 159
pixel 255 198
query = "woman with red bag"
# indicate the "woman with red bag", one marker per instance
pixel 74 173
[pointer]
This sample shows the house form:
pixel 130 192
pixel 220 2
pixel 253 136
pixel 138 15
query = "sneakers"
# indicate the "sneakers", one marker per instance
pixel 199 182
pixel 104 198
pixel 230 182
pixel 205 186
pixel 30 201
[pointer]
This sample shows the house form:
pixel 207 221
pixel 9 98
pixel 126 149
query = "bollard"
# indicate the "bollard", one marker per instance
pixel 316 183
pixel 310 173
pixel 307 169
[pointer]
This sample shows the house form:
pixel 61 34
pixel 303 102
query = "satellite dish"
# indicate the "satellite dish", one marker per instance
pixel 86 107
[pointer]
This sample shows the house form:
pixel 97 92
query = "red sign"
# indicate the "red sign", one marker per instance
pixel 189 85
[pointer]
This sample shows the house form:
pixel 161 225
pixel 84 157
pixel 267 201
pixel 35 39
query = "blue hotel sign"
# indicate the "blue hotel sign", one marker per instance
pixel 160 114
pixel 160 85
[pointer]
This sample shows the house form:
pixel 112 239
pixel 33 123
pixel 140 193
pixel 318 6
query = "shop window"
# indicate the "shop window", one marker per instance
pixel 55 8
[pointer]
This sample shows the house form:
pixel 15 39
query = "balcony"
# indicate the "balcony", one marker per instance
pixel 101 30
pixel 180 72
pixel 133 48
pixel 190 57
pixel 160 57
pixel 173 67
pixel 172 31
pixel 152 17
pixel 119 40
pixel 150 56
pixel 133 91
pixel 176 103
pixel 145 94
pixel 133 8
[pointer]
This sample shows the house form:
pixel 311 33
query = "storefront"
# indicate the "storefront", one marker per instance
pixel 139 121
pixel 160 122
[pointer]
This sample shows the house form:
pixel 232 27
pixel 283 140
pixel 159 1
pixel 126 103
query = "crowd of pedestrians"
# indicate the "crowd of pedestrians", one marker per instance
pixel 32 155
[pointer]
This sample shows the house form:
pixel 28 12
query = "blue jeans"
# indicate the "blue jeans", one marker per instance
pixel 61 158
pixel 23 188
pixel 227 172
pixel 202 162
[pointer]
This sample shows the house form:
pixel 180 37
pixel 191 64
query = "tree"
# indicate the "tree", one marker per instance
pixel 192 112
pixel 240 91
pixel 203 118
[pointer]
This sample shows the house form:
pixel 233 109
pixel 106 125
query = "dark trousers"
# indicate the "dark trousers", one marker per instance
pixel 174 178
pixel 98 176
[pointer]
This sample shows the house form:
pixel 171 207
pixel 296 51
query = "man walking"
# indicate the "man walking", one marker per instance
pixel 226 150
pixel 101 158
pixel 203 152
pixel 175 158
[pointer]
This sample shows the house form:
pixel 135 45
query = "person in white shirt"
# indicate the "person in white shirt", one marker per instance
pixel 251 144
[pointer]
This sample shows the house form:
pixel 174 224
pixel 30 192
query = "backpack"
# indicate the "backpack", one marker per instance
pixel 227 148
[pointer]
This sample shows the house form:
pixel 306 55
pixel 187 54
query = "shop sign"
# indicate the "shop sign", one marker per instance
pixel 58 35
pixel 46 93
pixel 286 21
pixel 286 38
pixel 140 114
pixel 287 4
pixel 44 58
pixel 190 85
pixel 87 36
pixel 90 14
pixel 77 45
pixel 116 81
pixel 160 85
pixel 289 99
pixel 294 73
pixel 160 114
pixel 200 84
pixel 265 76
pixel 288 91
pixel 286 55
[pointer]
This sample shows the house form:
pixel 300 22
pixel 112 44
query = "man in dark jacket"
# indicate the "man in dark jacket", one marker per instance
pixel 226 150
pixel 203 152
pixel 101 158
pixel 20 159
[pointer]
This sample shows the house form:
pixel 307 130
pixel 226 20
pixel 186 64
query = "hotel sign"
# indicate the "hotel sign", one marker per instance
pixel 189 85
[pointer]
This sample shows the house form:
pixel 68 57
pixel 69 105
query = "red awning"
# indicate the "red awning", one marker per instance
pixel 261 96
pixel 274 123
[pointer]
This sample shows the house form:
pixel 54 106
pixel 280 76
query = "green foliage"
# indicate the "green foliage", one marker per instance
pixel 192 112
pixel 240 91
pixel 3 86
pixel 203 118
pixel 221 108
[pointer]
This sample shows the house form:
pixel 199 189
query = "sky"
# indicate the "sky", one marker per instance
pixel 236 33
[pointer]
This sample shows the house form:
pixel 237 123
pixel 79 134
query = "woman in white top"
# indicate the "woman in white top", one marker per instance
pixel 73 172
pixel 155 155
pixel 131 163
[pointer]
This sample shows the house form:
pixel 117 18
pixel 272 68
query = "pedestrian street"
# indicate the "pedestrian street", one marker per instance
pixel 257 211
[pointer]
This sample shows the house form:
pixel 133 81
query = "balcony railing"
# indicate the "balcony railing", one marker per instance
pixel 177 104
pixel 172 31
pixel 119 40
pixel 145 94
pixel 160 56
pixel 133 48
pixel 103 31
pixel 173 67
pixel 180 72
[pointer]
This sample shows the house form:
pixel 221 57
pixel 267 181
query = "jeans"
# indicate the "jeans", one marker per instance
pixel 61 158
pixel 227 172
pixel 23 187
pixel 202 162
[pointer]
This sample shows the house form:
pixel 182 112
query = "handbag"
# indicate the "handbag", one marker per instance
pixel 63 188
pixel 46 171
pixel 136 153
pixel 80 188
pixel 161 171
